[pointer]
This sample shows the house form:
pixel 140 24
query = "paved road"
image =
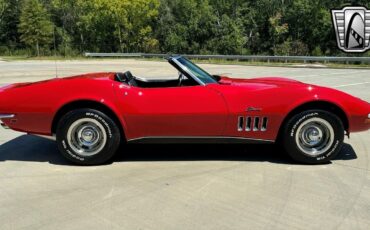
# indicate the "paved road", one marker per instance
pixel 183 187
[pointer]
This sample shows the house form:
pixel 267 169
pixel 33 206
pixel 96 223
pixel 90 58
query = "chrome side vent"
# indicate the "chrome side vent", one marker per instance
pixel 264 124
pixel 256 124
pixel 252 124
pixel 248 126
pixel 240 124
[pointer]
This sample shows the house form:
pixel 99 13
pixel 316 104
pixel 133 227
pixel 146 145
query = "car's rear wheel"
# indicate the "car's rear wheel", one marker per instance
pixel 313 136
pixel 87 137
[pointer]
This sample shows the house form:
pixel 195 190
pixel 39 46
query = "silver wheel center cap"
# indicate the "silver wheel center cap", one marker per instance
pixel 314 135
pixel 88 135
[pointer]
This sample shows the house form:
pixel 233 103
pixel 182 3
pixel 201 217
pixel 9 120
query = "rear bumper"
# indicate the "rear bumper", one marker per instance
pixel 6 116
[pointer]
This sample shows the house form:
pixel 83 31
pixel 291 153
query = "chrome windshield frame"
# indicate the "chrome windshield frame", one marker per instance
pixel 183 69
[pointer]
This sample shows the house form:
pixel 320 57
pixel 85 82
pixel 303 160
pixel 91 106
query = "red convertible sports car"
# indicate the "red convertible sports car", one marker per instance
pixel 90 115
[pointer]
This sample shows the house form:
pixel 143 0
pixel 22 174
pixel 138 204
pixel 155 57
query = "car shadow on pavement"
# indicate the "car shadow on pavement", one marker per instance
pixel 203 152
pixel 32 148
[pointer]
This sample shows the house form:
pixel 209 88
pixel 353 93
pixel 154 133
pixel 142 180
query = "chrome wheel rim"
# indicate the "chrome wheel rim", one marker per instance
pixel 86 137
pixel 314 136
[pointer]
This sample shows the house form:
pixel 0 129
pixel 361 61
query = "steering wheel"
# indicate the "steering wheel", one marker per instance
pixel 181 79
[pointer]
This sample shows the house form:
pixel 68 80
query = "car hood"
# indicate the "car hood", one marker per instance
pixel 261 82
pixel 293 88
pixel 294 92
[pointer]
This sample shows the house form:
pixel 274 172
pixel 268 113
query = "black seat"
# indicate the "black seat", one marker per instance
pixel 126 77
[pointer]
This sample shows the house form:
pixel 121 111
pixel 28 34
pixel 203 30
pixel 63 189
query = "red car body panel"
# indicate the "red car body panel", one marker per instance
pixel 172 111
pixel 211 110
pixel 36 104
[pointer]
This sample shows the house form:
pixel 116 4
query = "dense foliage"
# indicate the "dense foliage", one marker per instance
pixel 273 27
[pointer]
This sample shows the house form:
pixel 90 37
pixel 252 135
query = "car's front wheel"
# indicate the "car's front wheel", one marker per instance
pixel 313 136
pixel 87 137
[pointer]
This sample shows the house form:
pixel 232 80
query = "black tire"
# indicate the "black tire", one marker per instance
pixel 313 137
pixel 87 137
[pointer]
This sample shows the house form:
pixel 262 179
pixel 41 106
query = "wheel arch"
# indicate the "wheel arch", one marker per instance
pixel 90 104
pixel 321 105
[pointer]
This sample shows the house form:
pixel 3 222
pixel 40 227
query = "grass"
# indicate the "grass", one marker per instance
pixel 208 61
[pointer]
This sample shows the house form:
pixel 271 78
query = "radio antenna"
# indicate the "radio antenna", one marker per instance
pixel 55 54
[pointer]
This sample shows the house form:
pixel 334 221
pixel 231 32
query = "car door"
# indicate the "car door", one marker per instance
pixel 187 111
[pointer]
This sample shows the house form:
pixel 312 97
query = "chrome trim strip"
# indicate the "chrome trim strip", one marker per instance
pixel 7 116
pixel 253 109
pixel 53 138
pixel 200 137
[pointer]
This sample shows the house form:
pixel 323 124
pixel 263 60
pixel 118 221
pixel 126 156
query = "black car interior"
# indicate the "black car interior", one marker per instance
pixel 131 80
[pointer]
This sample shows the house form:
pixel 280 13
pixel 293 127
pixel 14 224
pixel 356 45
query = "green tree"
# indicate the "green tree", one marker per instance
pixel 277 29
pixel 3 6
pixel 227 37
pixel 259 19
pixel 109 25
pixel 291 48
pixel 194 26
pixel 9 19
pixel 35 26
pixel 291 27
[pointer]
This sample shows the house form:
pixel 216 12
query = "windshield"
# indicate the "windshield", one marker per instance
pixel 195 70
